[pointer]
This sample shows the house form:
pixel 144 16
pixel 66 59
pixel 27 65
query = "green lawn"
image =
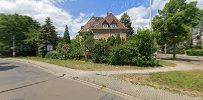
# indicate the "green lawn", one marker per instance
pixel 90 66
pixel 84 65
pixel 167 63
pixel 187 82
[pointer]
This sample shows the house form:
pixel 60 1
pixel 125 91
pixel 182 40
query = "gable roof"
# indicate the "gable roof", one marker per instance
pixel 97 23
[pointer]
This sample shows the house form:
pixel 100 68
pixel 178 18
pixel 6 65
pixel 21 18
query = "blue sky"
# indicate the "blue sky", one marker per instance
pixel 75 13
pixel 99 7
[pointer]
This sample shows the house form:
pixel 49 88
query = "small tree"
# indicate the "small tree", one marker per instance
pixel 87 43
pixel 125 19
pixel 174 22
pixel 66 37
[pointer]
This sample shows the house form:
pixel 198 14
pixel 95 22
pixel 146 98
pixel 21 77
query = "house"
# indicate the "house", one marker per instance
pixel 104 27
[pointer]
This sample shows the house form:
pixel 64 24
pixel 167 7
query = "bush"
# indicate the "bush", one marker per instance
pixel 139 50
pixel 76 52
pixel 194 52
pixel 100 51
pixel 54 55
pixel 64 49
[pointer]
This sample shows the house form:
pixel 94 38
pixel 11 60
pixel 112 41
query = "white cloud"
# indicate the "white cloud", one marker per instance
pixel 138 17
pixel 199 3
pixel 40 9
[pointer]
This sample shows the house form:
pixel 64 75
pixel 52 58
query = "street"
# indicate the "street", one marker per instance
pixel 20 81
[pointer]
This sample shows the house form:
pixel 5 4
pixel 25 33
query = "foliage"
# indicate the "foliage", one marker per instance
pixel 64 49
pixel 87 43
pixel 125 19
pixel 76 51
pixel 66 37
pixel 114 41
pixel 54 55
pixel 136 51
pixel 174 22
pixel 195 52
pixel 100 51
pixel 47 36
pixel 18 28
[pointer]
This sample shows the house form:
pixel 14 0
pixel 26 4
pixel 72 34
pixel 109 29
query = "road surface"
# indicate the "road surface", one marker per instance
pixel 20 81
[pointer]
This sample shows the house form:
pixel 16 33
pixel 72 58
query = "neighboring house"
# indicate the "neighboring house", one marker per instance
pixel 103 28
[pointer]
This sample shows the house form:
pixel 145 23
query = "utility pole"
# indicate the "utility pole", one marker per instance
pixel 14 53
pixel 150 15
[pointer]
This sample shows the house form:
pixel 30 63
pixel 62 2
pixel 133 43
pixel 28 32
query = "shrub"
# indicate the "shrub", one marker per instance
pixel 54 55
pixel 64 49
pixel 76 52
pixel 139 50
pixel 100 51
pixel 194 52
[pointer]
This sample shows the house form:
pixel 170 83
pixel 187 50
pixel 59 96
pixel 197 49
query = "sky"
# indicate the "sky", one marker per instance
pixel 75 13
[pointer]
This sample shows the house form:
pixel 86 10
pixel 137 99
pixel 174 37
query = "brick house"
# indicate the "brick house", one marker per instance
pixel 104 27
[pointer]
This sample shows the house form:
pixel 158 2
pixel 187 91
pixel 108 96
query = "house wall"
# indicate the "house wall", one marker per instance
pixel 107 35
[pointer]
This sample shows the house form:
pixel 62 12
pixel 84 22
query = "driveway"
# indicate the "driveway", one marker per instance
pixel 21 81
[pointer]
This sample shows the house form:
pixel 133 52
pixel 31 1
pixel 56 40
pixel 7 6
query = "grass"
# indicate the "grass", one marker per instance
pixel 186 82
pixel 91 66
pixel 84 65
pixel 167 63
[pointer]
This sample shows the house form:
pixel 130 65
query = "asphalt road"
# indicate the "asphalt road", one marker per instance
pixel 20 81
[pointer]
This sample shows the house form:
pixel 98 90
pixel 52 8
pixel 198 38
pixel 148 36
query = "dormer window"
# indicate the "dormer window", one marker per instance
pixel 113 25
pixel 105 25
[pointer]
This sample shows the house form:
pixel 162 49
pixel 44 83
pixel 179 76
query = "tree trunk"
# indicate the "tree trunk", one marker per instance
pixel 174 51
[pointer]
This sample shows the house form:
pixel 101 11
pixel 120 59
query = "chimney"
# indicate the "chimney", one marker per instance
pixel 82 27
pixel 109 13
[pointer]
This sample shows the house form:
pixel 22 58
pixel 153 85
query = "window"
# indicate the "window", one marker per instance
pixel 117 34
pixel 96 36
pixel 105 25
pixel 113 25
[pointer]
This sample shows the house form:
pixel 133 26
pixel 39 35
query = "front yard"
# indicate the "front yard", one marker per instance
pixel 186 82
pixel 90 66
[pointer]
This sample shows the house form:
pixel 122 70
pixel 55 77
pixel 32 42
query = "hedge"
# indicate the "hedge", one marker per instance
pixel 194 52
pixel 54 55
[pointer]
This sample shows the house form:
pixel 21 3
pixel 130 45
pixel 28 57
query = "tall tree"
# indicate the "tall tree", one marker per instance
pixel 66 37
pixel 18 28
pixel 47 37
pixel 174 22
pixel 125 19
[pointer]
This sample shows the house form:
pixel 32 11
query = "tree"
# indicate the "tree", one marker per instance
pixel 47 37
pixel 173 24
pixel 87 43
pixel 66 37
pixel 18 28
pixel 125 19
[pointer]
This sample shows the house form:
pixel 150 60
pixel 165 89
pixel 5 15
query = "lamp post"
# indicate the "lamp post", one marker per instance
pixel 150 15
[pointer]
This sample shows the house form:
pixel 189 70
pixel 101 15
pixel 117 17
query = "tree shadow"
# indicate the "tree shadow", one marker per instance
pixel 9 67
pixel 183 59
pixel 3 63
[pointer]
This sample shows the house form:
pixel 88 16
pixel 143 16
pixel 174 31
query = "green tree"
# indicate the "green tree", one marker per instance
pixel 87 43
pixel 125 19
pixel 66 37
pixel 18 28
pixel 47 36
pixel 173 24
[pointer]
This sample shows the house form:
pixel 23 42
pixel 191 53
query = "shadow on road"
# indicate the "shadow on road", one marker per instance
pixel 9 67
pixel 3 63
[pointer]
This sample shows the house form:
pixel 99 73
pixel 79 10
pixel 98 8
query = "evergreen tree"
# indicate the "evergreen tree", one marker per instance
pixel 66 37
pixel 47 36
pixel 125 19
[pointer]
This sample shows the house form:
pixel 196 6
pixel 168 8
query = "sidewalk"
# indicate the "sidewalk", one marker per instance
pixel 101 78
